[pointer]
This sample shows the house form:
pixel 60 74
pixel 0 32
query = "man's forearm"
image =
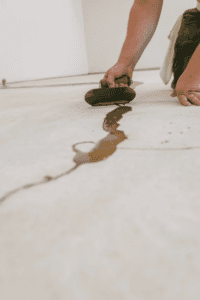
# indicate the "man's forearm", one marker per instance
pixel 193 67
pixel 143 20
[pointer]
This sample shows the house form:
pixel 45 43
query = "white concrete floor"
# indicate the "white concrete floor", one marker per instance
pixel 124 228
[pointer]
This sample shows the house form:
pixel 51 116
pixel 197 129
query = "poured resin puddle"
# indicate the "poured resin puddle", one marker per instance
pixel 108 145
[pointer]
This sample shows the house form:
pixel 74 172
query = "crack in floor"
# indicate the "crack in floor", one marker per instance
pixel 27 186
pixel 159 149
pixel 102 150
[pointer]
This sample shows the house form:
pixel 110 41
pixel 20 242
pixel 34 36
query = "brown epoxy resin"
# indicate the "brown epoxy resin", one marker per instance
pixel 108 145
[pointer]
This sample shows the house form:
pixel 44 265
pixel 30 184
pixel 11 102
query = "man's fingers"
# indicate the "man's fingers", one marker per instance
pixel 197 94
pixel 183 100
pixel 103 82
pixel 173 94
pixel 194 99
pixel 111 81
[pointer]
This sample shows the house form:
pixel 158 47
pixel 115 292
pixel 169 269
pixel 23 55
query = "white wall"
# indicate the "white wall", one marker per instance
pixel 106 25
pixel 41 39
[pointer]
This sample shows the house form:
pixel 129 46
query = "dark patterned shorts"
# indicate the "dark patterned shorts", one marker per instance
pixel 186 43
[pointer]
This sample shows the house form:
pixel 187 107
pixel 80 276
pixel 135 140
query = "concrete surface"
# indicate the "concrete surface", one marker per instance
pixel 123 228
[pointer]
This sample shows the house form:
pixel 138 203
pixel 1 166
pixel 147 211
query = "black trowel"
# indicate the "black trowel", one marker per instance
pixel 111 96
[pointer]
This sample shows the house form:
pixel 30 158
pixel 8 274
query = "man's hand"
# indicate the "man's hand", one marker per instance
pixel 188 89
pixel 188 85
pixel 118 70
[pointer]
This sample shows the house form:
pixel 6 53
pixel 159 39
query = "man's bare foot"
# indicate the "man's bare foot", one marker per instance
pixel 188 88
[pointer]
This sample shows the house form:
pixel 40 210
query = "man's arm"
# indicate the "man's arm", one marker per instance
pixel 143 20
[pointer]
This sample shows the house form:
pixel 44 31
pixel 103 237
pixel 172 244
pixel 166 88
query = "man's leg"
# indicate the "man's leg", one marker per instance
pixel 186 43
